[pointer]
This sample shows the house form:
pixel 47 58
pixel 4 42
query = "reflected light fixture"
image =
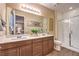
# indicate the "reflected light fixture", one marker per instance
pixel 30 9
pixel 70 8
pixel 66 21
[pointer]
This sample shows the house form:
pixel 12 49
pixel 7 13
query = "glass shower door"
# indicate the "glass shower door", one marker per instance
pixel 75 32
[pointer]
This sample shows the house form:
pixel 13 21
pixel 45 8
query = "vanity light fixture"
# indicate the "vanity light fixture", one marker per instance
pixel 30 9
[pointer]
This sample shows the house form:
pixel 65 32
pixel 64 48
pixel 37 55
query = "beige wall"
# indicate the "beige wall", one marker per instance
pixel 2 13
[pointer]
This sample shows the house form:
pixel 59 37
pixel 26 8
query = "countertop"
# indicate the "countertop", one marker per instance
pixel 14 39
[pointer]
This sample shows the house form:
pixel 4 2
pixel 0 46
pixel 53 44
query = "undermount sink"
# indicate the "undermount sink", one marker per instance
pixel 20 37
pixel 43 34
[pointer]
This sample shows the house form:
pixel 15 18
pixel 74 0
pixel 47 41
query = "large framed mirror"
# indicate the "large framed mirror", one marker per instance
pixel 20 22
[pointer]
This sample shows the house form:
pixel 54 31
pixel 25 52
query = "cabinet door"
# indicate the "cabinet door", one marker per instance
pixel 37 49
pixel 26 50
pixel 51 44
pixel 10 52
pixel 2 53
pixel 45 47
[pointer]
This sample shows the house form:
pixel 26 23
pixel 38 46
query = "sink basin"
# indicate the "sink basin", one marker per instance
pixel 20 37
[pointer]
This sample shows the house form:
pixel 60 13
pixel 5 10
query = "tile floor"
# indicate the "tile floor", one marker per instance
pixel 63 52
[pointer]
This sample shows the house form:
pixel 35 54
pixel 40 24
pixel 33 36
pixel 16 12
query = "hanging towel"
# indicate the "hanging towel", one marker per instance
pixel 0 25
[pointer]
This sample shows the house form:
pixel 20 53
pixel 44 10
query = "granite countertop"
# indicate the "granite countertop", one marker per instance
pixel 14 39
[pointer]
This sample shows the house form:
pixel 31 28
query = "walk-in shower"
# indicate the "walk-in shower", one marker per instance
pixel 68 32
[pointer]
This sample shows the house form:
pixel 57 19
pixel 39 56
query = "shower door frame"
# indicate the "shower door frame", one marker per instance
pixel 71 32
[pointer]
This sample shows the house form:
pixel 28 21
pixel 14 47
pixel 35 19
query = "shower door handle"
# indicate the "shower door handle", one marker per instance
pixel 70 35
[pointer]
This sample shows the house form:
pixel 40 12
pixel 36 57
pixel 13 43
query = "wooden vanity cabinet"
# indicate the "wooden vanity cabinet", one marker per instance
pixel 20 48
pixel 34 47
pixel 26 50
pixel 45 46
pixel 10 52
pixel 1 53
pixel 50 44
pixel 9 49
pixel 37 47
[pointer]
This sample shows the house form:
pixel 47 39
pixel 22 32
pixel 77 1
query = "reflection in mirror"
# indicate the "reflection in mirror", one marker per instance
pixel 19 24
pixel 11 22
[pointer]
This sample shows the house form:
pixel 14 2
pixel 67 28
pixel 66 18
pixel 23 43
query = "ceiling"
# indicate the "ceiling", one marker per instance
pixel 49 5
pixel 61 7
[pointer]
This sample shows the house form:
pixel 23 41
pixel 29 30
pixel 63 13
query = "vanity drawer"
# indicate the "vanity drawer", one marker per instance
pixel 14 44
pixel 37 50
pixel 7 45
pixel 37 40
pixel 25 42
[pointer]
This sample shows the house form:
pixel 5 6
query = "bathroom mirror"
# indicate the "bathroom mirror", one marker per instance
pixel 20 22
